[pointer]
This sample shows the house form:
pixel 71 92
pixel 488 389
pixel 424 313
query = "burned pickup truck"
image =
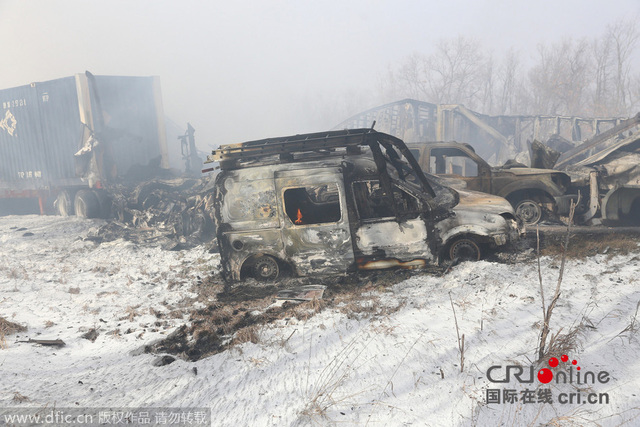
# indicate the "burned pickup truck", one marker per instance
pixel 534 193
pixel 340 201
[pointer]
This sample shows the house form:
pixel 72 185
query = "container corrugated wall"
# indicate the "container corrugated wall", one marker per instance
pixel 39 124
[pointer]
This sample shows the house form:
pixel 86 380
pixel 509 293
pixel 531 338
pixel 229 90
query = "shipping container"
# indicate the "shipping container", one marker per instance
pixel 78 132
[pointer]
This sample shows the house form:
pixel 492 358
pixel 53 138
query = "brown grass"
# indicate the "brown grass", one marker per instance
pixel 249 334
pixel 583 245
pixel 8 328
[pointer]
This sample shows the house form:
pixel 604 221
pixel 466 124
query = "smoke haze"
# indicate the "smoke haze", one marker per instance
pixel 252 69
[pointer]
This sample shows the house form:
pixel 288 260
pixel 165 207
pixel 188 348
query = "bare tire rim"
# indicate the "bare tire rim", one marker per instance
pixel 529 211
pixel 266 268
pixel 465 250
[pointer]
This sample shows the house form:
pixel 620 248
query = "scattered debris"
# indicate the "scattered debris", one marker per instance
pixel 174 214
pixel 9 328
pixel 49 343
pixel 164 360
pixel 302 293
pixel 91 335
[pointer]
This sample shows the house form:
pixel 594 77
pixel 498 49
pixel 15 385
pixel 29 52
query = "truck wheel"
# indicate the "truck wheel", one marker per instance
pixel 104 203
pixel 464 250
pixel 64 203
pixel 87 204
pixel 529 211
pixel 266 269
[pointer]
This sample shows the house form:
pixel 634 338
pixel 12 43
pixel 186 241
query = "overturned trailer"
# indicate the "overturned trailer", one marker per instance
pixel 339 201
pixel 65 140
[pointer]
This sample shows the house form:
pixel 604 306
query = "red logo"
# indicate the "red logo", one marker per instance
pixel 545 375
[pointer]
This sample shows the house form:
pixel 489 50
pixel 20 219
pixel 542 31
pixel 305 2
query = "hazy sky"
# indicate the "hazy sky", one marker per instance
pixel 240 70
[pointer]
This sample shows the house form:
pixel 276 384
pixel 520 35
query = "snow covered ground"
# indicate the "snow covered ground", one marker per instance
pixel 389 359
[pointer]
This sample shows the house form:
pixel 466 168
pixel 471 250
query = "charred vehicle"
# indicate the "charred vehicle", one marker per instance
pixel 533 193
pixel 339 201
pixel 605 170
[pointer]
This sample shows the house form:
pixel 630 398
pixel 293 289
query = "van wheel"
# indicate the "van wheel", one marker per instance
pixel 464 250
pixel 529 211
pixel 266 268
pixel 64 203
pixel 87 204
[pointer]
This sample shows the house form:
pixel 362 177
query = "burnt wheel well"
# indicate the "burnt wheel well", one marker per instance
pixel 246 270
pixel 539 196
pixel 483 243
pixel 633 217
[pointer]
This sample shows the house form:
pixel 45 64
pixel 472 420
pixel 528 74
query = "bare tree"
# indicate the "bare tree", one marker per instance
pixel 623 36
pixel 570 77
pixel 454 72
pixel 602 100
pixel 558 79
pixel 509 84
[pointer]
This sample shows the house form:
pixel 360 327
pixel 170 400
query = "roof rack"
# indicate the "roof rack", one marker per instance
pixel 232 155
pixel 246 154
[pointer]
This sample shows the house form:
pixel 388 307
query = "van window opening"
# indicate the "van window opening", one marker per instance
pixel 318 204
pixel 372 203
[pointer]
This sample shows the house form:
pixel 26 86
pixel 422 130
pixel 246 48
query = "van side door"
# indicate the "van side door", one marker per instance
pixel 382 239
pixel 314 220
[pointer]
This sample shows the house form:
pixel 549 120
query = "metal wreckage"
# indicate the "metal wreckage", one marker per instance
pixel 340 201
pixel 597 158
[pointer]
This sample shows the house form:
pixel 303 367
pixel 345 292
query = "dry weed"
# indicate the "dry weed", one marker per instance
pixel 8 328
pixel 248 334
pixel 19 398
pixel 131 313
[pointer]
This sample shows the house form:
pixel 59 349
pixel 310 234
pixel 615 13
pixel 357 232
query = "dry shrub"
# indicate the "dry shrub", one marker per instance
pixel 566 343
pixel 361 307
pixel 99 269
pixel 8 328
pixel 74 291
pixel 308 309
pixel 132 312
pixel 176 314
pixel 19 398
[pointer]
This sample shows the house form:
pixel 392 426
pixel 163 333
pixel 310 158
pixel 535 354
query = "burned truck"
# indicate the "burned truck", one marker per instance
pixel 534 193
pixel 62 142
pixel 342 201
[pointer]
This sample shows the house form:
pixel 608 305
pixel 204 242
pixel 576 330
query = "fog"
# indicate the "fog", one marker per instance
pixel 252 69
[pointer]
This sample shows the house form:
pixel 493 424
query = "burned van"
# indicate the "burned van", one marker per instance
pixel 339 201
